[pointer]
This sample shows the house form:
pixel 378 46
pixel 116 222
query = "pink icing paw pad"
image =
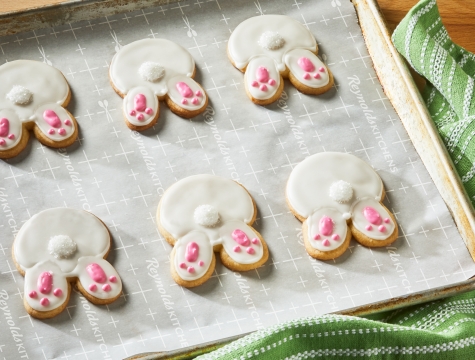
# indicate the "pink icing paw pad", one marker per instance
pixel 198 207
pixel 51 118
pixel 306 65
pixel 4 127
pixel 69 248
pixel 140 102
pixel 184 89
pixel 193 255
pixel 32 94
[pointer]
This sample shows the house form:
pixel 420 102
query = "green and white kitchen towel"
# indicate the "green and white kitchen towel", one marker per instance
pixel 449 94
pixel 439 330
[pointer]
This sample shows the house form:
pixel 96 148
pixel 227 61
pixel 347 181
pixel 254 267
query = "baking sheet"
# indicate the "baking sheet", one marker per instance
pixel 120 175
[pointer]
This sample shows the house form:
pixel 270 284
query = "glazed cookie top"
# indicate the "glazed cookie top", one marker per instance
pixel 204 202
pixel 60 235
pixel 150 63
pixel 26 85
pixel 269 35
pixel 333 180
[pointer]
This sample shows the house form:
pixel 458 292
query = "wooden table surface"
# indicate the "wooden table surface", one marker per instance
pixel 457 15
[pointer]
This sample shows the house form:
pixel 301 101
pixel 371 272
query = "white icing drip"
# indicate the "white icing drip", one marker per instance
pixel 19 95
pixel 341 191
pixel 124 69
pixel 309 182
pixel 243 45
pixel 151 71
pixel 62 246
pixel 206 215
pixel 271 40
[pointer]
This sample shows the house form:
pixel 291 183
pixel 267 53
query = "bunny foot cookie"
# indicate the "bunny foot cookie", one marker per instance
pixel 32 97
pixel 336 195
pixel 150 70
pixel 268 48
pixel 204 214
pixel 59 247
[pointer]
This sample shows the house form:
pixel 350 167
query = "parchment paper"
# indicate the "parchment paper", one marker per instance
pixel 120 175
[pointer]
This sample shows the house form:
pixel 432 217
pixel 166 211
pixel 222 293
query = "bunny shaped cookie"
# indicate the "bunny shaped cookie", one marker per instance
pixel 149 70
pixel 32 97
pixel 203 214
pixel 335 193
pixel 60 246
pixel 269 47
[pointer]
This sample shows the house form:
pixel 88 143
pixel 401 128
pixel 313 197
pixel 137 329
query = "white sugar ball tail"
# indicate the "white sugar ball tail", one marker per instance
pixel 151 71
pixel 62 246
pixel 271 40
pixel 341 191
pixel 206 215
pixel 19 95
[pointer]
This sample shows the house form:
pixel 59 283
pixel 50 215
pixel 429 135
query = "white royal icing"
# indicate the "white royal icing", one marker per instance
pixel 126 64
pixel 323 181
pixel 205 255
pixel 129 106
pixel 310 181
pixel 15 129
pixel 237 252
pixel 38 244
pixel 361 223
pixel 56 134
pixel 179 202
pixel 292 61
pixel 177 98
pixel 251 78
pixel 27 86
pixel 245 41
pixel 178 216
pixel 323 242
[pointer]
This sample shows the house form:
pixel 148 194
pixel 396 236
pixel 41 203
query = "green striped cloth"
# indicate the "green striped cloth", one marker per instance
pixel 449 94
pixel 439 330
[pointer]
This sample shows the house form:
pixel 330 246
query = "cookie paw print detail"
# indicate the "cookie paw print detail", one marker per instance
pixel 337 195
pixel 204 214
pixel 33 96
pixel 150 70
pixel 285 49
pixel 70 249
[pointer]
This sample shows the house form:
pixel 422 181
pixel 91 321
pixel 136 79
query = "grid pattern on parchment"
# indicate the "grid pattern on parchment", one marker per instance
pixel 120 175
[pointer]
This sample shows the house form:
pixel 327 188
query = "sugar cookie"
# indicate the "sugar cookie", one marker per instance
pixel 268 48
pixel 32 97
pixel 149 70
pixel 203 214
pixel 336 195
pixel 59 247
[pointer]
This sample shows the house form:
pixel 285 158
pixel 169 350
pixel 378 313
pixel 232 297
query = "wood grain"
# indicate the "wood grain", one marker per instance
pixel 457 15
